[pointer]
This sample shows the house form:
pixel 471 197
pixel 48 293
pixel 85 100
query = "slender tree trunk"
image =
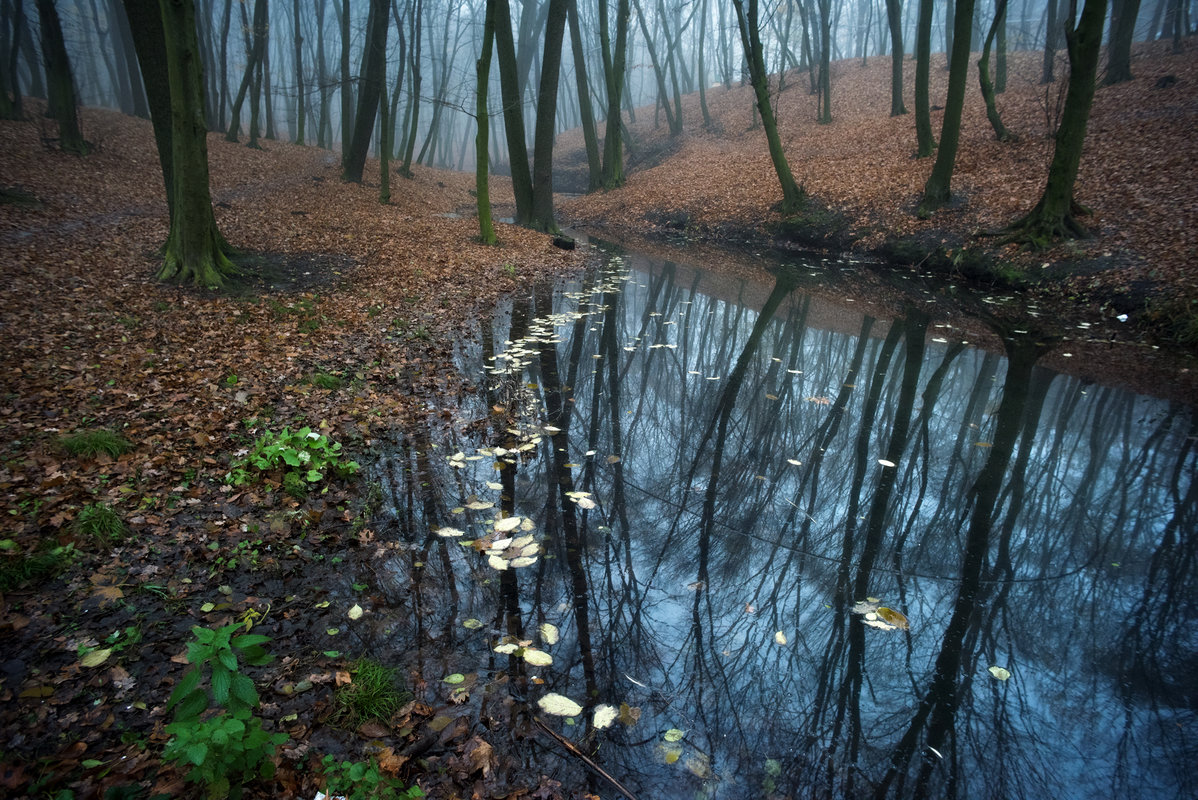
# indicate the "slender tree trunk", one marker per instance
pixel 373 79
pixel 145 24
pixel 324 125
pixel 1051 31
pixel 385 133
pixel 347 91
pixel 585 111
pixel 987 86
pixel 825 67
pixel 486 228
pixel 614 73
pixel 414 81
pixel 894 17
pixel 223 103
pixel 247 81
pixel 936 191
pixel 793 195
pixel 300 98
pixel 268 102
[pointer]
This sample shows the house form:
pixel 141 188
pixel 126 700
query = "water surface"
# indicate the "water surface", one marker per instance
pixel 804 552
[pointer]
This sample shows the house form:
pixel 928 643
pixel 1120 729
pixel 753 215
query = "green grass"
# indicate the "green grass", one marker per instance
pixel 101 523
pixel 325 380
pixel 90 444
pixel 35 567
pixel 374 694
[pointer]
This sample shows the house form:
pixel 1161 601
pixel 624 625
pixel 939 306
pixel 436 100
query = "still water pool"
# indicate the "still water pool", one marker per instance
pixel 774 547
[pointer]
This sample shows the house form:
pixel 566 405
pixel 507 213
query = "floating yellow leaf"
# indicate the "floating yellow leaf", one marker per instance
pixel 549 634
pixel 895 618
pixel 507 524
pixel 605 715
pixel 1000 673
pixel 780 637
pixel 538 658
pixel 472 624
pixel 447 531
pixel 355 612
pixel 674 735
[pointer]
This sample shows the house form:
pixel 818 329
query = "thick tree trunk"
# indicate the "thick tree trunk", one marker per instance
pixel 1055 215
pixel 542 156
pixel 936 190
pixel 145 23
pixel 195 250
pixel 347 91
pixel 513 113
pixel 925 139
pixel 1123 29
pixel 64 105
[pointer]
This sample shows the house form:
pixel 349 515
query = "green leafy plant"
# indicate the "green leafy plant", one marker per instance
pixel 363 780
pixel 215 732
pixel 92 443
pixel 100 522
pixel 303 452
pixel 372 693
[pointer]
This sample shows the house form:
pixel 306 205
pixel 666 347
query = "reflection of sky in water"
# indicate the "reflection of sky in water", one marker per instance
pixel 1085 593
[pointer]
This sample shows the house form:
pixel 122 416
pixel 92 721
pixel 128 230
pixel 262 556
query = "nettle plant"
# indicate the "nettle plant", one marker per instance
pixel 304 453
pixel 215 732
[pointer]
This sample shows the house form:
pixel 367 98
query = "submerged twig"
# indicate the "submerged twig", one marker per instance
pixel 573 748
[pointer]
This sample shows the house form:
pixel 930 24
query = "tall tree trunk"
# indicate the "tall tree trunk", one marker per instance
pixel 252 59
pixel 414 81
pixel 925 139
pixel 347 91
pixel 936 190
pixel 824 116
pixel 513 112
pixel 1123 29
pixel 373 82
pixel 127 56
pixel 63 100
pixel 793 195
pixel 195 250
pixel 145 24
pixel 1051 30
pixel 300 98
pixel 894 17
pixel 1055 215
pixel 223 103
pixel 486 228
pixel 582 86
pixel 542 156
pixel 324 124
pixel 614 69
pixel 987 86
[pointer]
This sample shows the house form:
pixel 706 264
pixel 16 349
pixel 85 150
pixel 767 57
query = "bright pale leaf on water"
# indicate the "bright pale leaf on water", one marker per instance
pixel 495 562
pixel 674 735
pixel 605 715
pixel 549 634
pixel 479 505
pixel 447 531
pixel 780 637
pixel 999 673
pixel 559 705
pixel 507 648
pixel 886 462
pixel 494 485
pixel 355 612
pixel 794 461
pixel 538 658
pixel 895 618
pixel 523 561
pixel 507 524
pixel 472 624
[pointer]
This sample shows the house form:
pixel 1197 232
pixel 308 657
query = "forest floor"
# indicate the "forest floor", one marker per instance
pixel 94 628
pixel 717 185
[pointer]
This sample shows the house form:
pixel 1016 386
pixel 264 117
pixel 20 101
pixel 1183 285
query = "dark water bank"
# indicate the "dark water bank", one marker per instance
pixel 774 541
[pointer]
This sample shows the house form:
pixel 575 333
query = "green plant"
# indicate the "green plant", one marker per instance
pixel 325 380
pixel 510 269
pixel 224 746
pixel 100 522
pixel 22 568
pixel 92 443
pixel 303 452
pixel 373 693
pixel 363 780
pixel 231 379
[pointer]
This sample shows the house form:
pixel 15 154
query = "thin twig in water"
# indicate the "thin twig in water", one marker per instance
pixel 573 748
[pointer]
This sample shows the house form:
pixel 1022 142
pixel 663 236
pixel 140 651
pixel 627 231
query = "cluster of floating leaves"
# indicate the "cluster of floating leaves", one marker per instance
pixel 879 616
pixel 503 552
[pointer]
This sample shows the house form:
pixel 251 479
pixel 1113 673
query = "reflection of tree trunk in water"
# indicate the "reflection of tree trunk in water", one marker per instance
pixel 937 710
pixel 783 286
pixel 558 415
pixel 1155 650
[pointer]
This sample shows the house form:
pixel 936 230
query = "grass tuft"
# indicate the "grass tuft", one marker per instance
pixel 100 522
pixel 325 380
pixel 373 694
pixel 90 444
